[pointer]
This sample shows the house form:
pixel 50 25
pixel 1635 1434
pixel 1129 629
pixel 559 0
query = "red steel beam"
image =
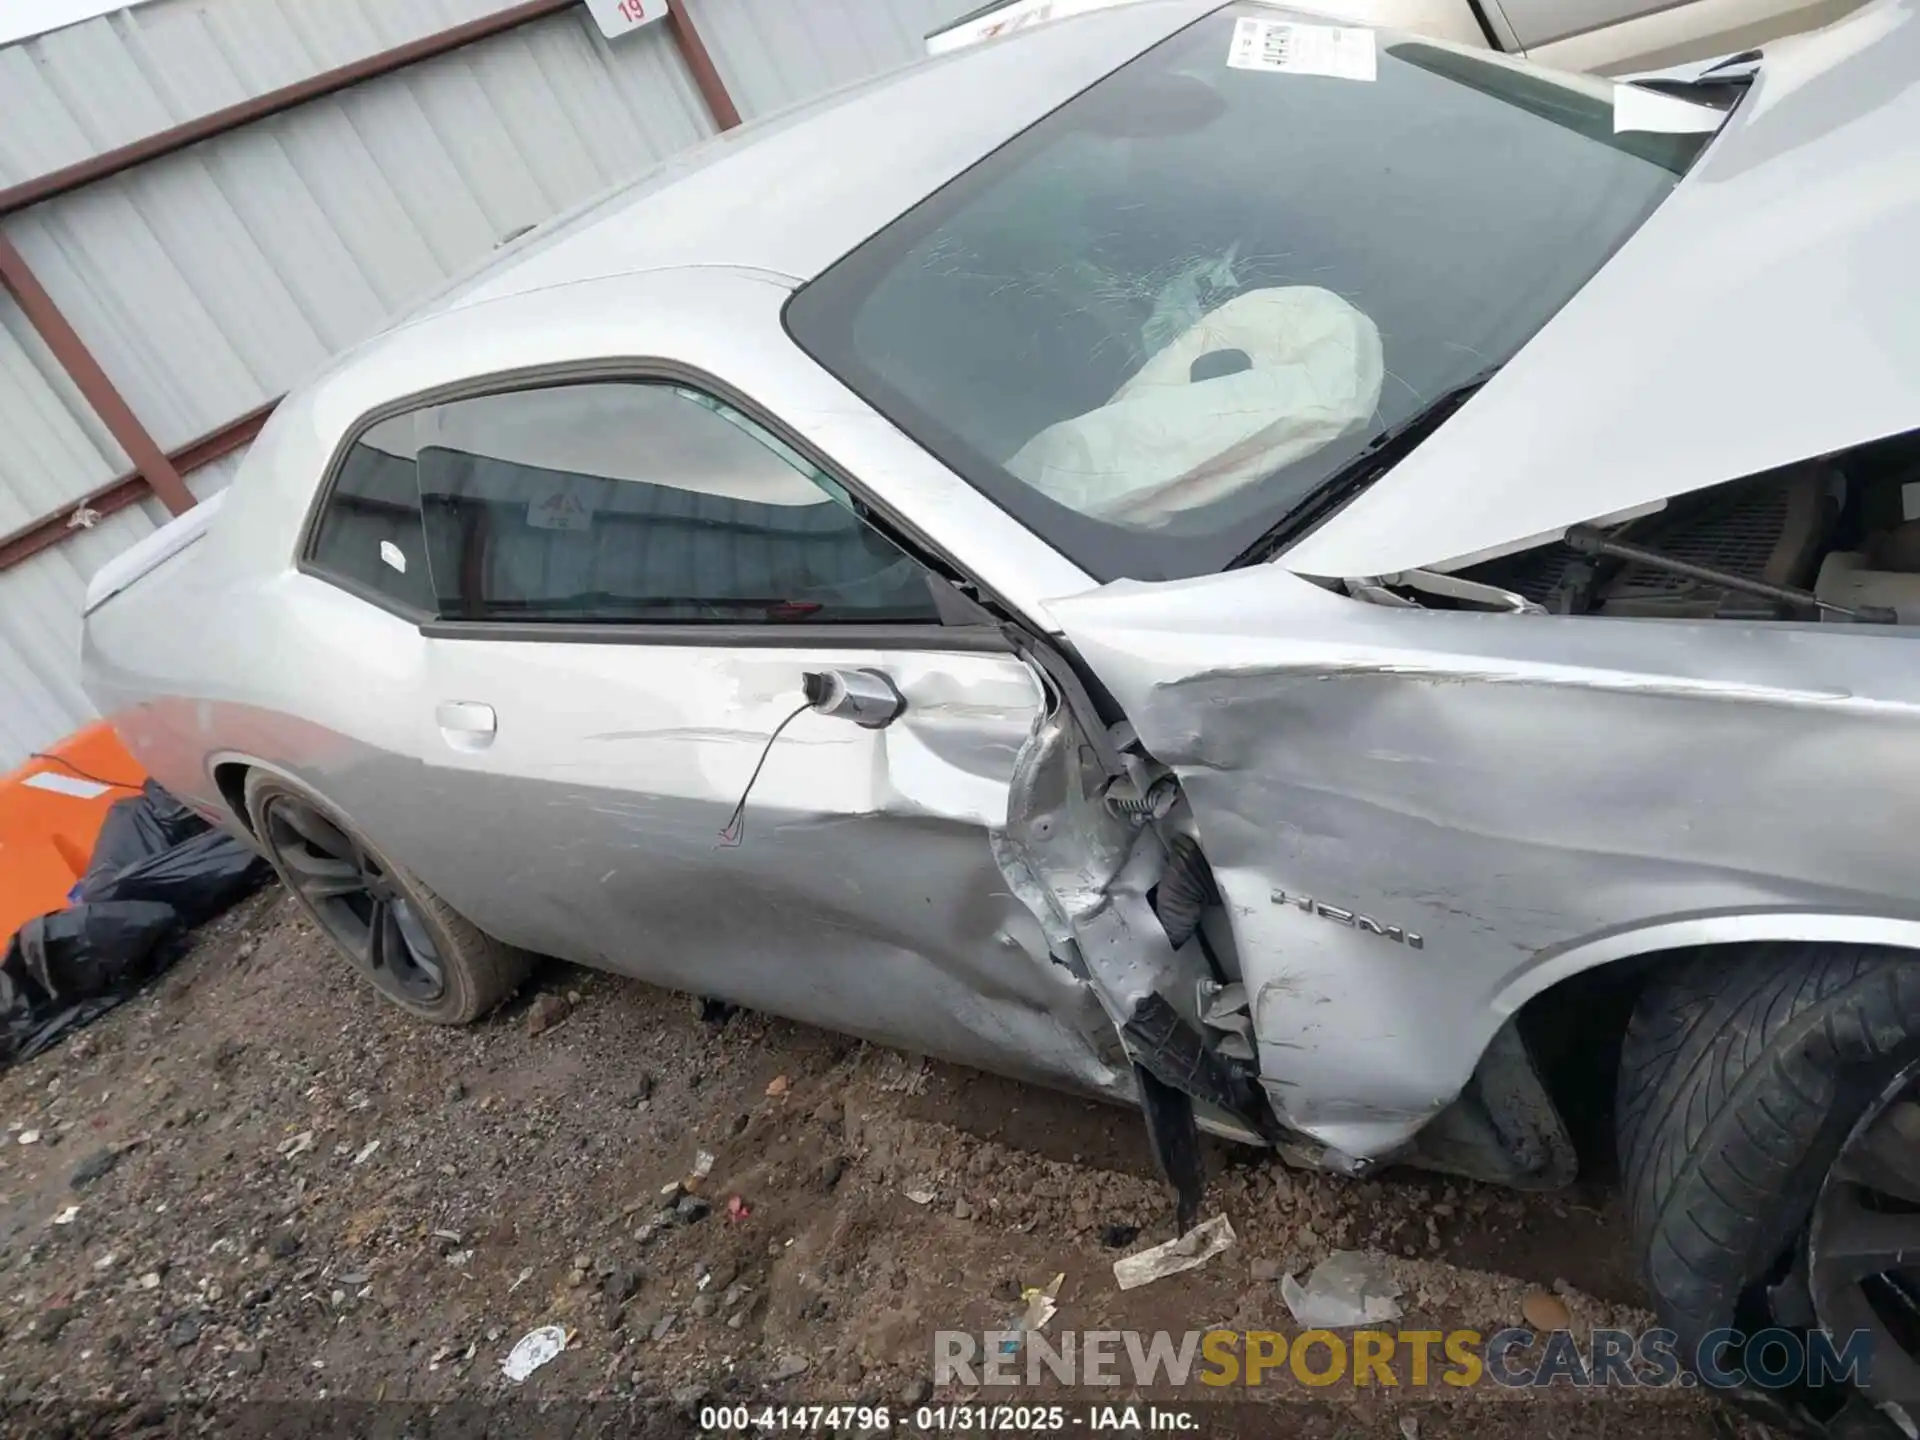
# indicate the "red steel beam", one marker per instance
pixel 72 353
pixel 700 65
pixel 128 489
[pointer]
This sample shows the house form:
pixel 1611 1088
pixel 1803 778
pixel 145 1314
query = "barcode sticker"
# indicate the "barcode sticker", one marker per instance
pixel 1287 47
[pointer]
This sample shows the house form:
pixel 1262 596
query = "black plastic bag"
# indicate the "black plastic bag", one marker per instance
pixel 199 878
pixel 157 871
pixel 136 829
pixel 68 968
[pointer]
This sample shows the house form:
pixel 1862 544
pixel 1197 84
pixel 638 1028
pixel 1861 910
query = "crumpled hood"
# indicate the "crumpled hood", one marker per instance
pixel 1766 313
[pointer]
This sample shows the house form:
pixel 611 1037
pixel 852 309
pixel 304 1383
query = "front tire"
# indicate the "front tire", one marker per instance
pixel 1765 1098
pixel 408 943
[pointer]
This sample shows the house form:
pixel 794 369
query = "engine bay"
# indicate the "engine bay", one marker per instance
pixel 1836 539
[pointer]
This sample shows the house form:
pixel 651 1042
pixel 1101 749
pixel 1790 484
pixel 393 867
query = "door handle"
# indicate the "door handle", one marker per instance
pixel 466 724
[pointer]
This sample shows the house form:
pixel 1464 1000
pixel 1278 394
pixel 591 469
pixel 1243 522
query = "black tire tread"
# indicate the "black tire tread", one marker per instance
pixel 482 973
pixel 1733 1075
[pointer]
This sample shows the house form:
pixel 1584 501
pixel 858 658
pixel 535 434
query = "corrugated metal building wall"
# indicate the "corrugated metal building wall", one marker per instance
pixel 210 281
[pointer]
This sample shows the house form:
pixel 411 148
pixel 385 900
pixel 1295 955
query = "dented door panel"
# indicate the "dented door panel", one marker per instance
pixel 1506 788
pixel 863 895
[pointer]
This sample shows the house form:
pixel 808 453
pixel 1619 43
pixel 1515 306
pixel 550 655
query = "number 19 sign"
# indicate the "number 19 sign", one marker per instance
pixel 622 17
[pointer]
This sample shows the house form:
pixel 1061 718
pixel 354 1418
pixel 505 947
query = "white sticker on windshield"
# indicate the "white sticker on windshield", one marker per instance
pixel 1637 108
pixel 1342 51
pixel 393 555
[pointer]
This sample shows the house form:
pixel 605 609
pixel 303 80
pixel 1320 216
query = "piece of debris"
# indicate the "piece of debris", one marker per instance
pixel 1410 1427
pixel 547 1011
pixel 67 1216
pixel 737 1210
pixel 1346 1289
pixel 531 1351
pixel 185 1330
pixel 355 1278
pixel 150 1280
pixel 1041 1306
pixel 520 1279
pixel 903 1074
pixel 777 1087
pixel 920 1197
pixel 702 1166
pixel 1544 1310
pixel 622 1285
pixel 788 1366
pixel 92 1168
pixel 962 1210
pixel 284 1245
pixel 662 1326
pixel 691 1208
pixel 1187 1252
pixel 298 1145
pixel 29 1137
pixel 367 1152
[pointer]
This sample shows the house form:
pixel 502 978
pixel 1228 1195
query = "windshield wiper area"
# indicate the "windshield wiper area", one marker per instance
pixel 1376 457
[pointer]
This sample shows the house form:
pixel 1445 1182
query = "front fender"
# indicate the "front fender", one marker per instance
pixel 1419 819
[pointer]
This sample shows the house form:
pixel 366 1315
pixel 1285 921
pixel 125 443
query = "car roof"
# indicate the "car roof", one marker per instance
pixel 793 192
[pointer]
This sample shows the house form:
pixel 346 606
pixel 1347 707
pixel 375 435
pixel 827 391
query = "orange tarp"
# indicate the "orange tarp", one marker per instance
pixel 51 810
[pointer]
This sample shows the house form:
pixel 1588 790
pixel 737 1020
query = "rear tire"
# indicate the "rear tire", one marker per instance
pixel 431 961
pixel 1744 1072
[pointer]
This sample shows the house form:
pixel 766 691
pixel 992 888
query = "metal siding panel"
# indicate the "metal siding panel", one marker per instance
pixel 117 78
pixel 208 281
pixel 40 604
pixel 774 53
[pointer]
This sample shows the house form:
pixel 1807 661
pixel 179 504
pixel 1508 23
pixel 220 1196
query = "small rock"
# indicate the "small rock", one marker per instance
pixel 1410 1427
pixel 184 1331
pixel 722 1276
pixel 703 1306
pixel 663 1325
pixel 788 1366
pixel 150 1280
pixel 547 1011
pixel 918 1392
pixel 256 1297
pixel 690 1395
pixel 830 1172
pixel 614 1315
pixel 249 1362
pixel 778 1086
pixel 354 1277
pixel 641 1092
pixel 1545 1311
pixel 92 1168
pixel 736 1320
pixel 736 1292
pixel 622 1285
pixel 962 1210
pixel 1264 1269
pixel 51 1322
pixel 692 1208
pixel 284 1245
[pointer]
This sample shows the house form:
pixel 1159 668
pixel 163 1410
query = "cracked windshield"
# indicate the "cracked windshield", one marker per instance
pixel 1158 322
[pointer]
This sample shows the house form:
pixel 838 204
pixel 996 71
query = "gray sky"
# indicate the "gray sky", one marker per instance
pixel 21 18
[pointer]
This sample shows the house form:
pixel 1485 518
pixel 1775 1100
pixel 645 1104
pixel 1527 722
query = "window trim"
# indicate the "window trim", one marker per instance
pixel 911 542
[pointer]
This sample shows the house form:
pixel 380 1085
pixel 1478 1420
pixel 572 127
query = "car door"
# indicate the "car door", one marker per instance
pixel 629 583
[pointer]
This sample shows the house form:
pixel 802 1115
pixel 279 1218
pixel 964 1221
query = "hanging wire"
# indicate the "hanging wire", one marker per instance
pixel 65 763
pixel 735 830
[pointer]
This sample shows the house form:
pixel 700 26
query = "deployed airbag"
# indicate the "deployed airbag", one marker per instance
pixel 1257 383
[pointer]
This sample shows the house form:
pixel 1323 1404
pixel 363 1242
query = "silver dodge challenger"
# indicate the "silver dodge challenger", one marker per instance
pixel 1341 588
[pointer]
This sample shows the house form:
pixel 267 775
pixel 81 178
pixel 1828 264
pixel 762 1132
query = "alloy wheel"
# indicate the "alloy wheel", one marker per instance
pixel 357 900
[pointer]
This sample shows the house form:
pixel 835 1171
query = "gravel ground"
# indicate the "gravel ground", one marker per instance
pixel 255 1187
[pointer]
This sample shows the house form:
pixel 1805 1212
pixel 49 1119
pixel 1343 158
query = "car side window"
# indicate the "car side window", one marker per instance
pixel 369 534
pixel 627 503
